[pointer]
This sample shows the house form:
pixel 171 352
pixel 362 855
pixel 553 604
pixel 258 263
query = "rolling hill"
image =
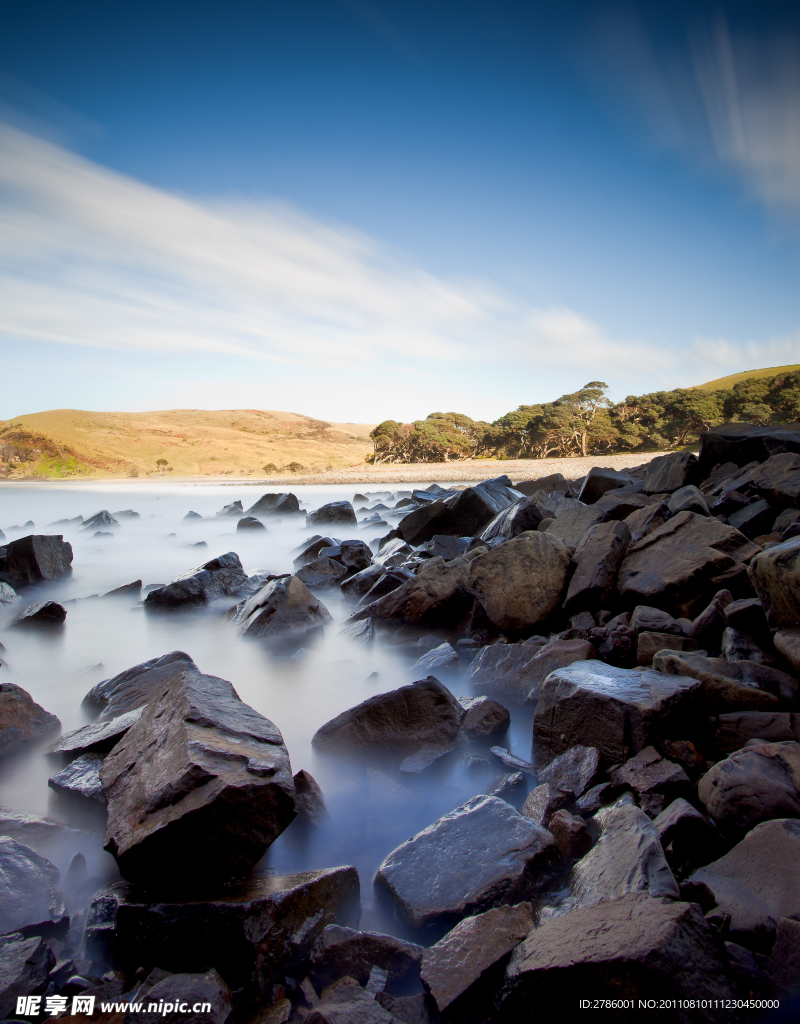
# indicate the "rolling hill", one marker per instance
pixel 191 442
pixel 725 383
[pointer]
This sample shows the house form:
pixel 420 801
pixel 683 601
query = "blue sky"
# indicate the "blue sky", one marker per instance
pixel 363 209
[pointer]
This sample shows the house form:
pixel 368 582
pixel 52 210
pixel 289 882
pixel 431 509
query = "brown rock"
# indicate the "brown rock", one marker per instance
pixel 646 519
pixel 648 773
pixel 455 963
pixel 22 720
pixel 632 945
pixel 650 644
pixel 542 802
pixel 282 608
pixel 343 951
pixel 36 558
pixel 681 560
pixel 200 770
pixel 736 728
pixel 667 473
pixel 516 671
pixel 438 594
pixel 483 716
pixel 787 643
pixel 573 771
pixel 571 835
pixel 758 882
pixel 597 559
pixel 722 690
pixel 409 717
pixel 753 785
pixel 521 583
pixel 775 575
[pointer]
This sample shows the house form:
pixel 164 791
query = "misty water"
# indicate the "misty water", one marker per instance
pixel 372 807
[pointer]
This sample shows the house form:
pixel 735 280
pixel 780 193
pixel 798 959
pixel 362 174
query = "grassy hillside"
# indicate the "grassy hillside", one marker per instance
pixel 193 442
pixel 726 383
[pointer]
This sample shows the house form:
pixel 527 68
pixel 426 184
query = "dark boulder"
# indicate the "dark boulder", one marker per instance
pixel 571 525
pixel 743 443
pixel 618 711
pixel 422 524
pixel 754 519
pixel 447 547
pixel 341 951
pixel 278 504
pixel 484 716
pixel 775 575
pixel 667 473
pixel 22 720
pixel 100 521
pixel 682 562
pixel 688 838
pixel 454 966
pixel 24 966
pixel 571 835
pixel 649 644
pixel 339 512
pixel 629 946
pixel 308 799
pixel 409 717
pixel 35 558
pixel 516 671
pixel 757 882
pixel 250 523
pixel 572 772
pixel 132 689
pixel 283 609
pixel 255 931
pixel 524 514
pixel 480 855
pixel 80 778
pixel 646 519
pixel 29 892
pixel 231 511
pixel 310 549
pixel 355 555
pixel 361 583
pixel 194 991
pixel 778 478
pixel 44 614
pixel 597 560
pixel 735 729
pixel 600 480
pixel 753 785
pixel 220 577
pixel 321 573
pixel 522 582
pixel 438 594
pixel 553 482
pixel 655 780
pixel 199 770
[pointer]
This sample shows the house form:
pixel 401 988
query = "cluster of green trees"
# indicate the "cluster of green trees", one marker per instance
pixel 586 422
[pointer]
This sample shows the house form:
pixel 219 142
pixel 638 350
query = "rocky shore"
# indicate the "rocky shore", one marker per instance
pixel 644 846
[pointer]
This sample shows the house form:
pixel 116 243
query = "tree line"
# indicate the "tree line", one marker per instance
pixel 586 422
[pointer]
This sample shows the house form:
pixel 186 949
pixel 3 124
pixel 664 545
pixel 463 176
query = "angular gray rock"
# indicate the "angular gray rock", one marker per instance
pixel 438 594
pixel 97 737
pixel 422 524
pixel 22 720
pixel 649 644
pixel 456 962
pixel 650 775
pixel 516 671
pixel 753 785
pixel 778 479
pixel 633 944
pixel 758 882
pixel 199 770
pixel 29 892
pixel 231 511
pixel 133 688
pixel 681 561
pixel 688 499
pixel 24 966
pixel 250 523
pixel 572 524
pixel 411 716
pixel 480 855
pixel 599 480
pixel 362 582
pixel 219 577
pixel 362 632
pixel 192 990
pixel 618 711
pixel 667 473
pixel 597 559
pixel 573 772
pixel 523 514
pixel 36 558
pixel 310 549
pixel 345 1002
pixel 277 504
pixel 522 582
pixel 339 512
pixel 343 951
pixel 308 799
pixel 542 803
pixel 321 573
pixel 282 609
pixel 439 657
pixel 483 716
pixel 256 931
pixel 44 614
pixel 645 520
pixel 80 778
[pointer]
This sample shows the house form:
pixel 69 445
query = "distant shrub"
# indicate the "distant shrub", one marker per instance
pixel 270 468
pixel 133 472
pixel 295 467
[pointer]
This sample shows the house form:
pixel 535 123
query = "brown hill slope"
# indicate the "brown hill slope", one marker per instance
pixel 193 442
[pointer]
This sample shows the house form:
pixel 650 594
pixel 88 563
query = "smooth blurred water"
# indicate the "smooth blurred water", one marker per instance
pixel 372 806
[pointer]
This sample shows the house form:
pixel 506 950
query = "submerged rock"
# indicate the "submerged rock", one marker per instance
pixel 411 716
pixel 36 558
pixel 22 720
pixel 278 504
pixel 284 608
pixel 43 614
pixel 220 577
pixel 480 855
pixel 334 512
pixel 29 892
pixel 200 770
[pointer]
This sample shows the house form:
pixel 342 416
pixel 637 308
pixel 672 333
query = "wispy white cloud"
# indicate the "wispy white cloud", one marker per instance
pixel 729 98
pixel 92 258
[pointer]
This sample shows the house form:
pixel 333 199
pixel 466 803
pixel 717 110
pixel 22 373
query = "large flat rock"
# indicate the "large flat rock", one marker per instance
pixel 619 711
pixel 480 855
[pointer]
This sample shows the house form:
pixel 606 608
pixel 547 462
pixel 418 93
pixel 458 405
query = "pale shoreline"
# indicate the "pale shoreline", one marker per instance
pixel 470 471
